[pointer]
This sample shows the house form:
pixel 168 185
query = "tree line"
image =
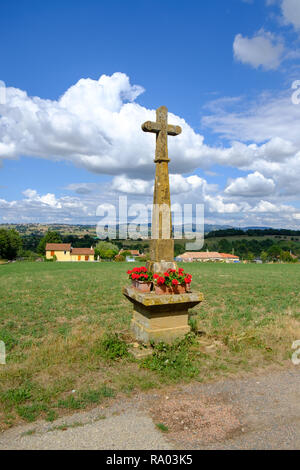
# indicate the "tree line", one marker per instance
pixel 234 232
pixel 12 245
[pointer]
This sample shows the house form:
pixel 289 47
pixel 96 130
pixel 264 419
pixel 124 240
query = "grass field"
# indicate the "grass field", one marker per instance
pixel 54 319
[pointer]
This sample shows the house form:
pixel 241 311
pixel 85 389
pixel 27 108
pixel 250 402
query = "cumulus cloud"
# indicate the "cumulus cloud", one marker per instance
pixel 291 12
pixel 96 124
pixel 267 207
pixel 263 49
pixel 271 125
pixel 43 208
pixel 253 185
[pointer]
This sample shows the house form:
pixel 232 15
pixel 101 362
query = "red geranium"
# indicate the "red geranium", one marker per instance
pixel 173 277
pixel 161 280
pixel 140 274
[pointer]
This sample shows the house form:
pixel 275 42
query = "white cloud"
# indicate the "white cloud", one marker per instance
pixel 263 49
pixel 48 199
pixel 253 185
pixel 131 185
pixel 271 125
pixel 291 12
pixel 267 207
pixel 96 125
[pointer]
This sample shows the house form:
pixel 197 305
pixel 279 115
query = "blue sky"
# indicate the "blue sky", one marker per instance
pixel 223 69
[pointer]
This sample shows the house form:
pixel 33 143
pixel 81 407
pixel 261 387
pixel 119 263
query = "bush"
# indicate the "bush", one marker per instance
pixel 106 250
pixel 119 258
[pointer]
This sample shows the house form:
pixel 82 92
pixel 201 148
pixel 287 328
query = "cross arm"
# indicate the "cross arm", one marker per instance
pixel 155 127
pixel 174 130
pixel 150 126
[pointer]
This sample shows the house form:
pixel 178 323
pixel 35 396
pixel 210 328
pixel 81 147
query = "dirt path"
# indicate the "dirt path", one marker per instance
pixel 260 412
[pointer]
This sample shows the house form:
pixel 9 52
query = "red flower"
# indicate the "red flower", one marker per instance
pixel 155 276
pixel 146 276
pixel 175 282
pixel 187 280
pixel 161 280
pixel 129 271
pixel 166 274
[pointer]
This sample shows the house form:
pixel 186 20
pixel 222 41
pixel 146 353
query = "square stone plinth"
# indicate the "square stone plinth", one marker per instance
pixel 160 317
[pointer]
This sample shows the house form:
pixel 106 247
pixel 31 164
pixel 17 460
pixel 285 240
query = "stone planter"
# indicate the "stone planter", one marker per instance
pixel 142 286
pixel 160 317
pixel 164 290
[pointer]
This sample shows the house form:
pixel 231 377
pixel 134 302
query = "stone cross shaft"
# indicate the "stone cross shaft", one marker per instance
pixel 161 243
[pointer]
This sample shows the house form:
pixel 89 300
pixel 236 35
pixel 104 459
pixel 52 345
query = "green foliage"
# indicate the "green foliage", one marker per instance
pixel 106 250
pixel 225 246
pixel 10 243
pixel 112 347
pixel 126 253
pixel 287 258
pixel 119 258
pixel 274 252
pixel 178 249
pixel 50 237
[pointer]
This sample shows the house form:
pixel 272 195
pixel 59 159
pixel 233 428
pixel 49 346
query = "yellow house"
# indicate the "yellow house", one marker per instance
pixel 82 254
pixel 64 252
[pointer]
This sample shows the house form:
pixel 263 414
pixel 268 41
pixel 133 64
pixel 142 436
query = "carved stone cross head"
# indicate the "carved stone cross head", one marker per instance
pixel 162 129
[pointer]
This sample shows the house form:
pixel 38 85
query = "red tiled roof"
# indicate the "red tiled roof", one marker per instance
pixel 58 246
pixel 82 251
pixel 132 252
pixel 229 256
pixel 206 255
pixel 201 255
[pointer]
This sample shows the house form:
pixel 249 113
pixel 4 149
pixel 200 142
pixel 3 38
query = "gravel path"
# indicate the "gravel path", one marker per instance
pixel 266 407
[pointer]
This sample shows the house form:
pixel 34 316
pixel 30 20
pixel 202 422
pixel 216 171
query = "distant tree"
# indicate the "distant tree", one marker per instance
pixel 50 237
pixel 106 250
pixel 224 246
pixel 264 256
pixel 178 249
pixel 10 243
pixel 274 252
pixel 250 256
pixel 126 253
pixel 286 257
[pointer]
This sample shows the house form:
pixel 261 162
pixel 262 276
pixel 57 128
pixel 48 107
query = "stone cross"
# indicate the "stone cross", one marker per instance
pixel 161 243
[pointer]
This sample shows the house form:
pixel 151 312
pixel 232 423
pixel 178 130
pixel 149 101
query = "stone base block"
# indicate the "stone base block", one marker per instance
pixel 160 317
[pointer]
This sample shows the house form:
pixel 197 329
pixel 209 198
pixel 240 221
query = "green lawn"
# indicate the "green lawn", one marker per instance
pixel 53 317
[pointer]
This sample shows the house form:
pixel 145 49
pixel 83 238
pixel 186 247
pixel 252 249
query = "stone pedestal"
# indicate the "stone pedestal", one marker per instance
pixel 160 317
